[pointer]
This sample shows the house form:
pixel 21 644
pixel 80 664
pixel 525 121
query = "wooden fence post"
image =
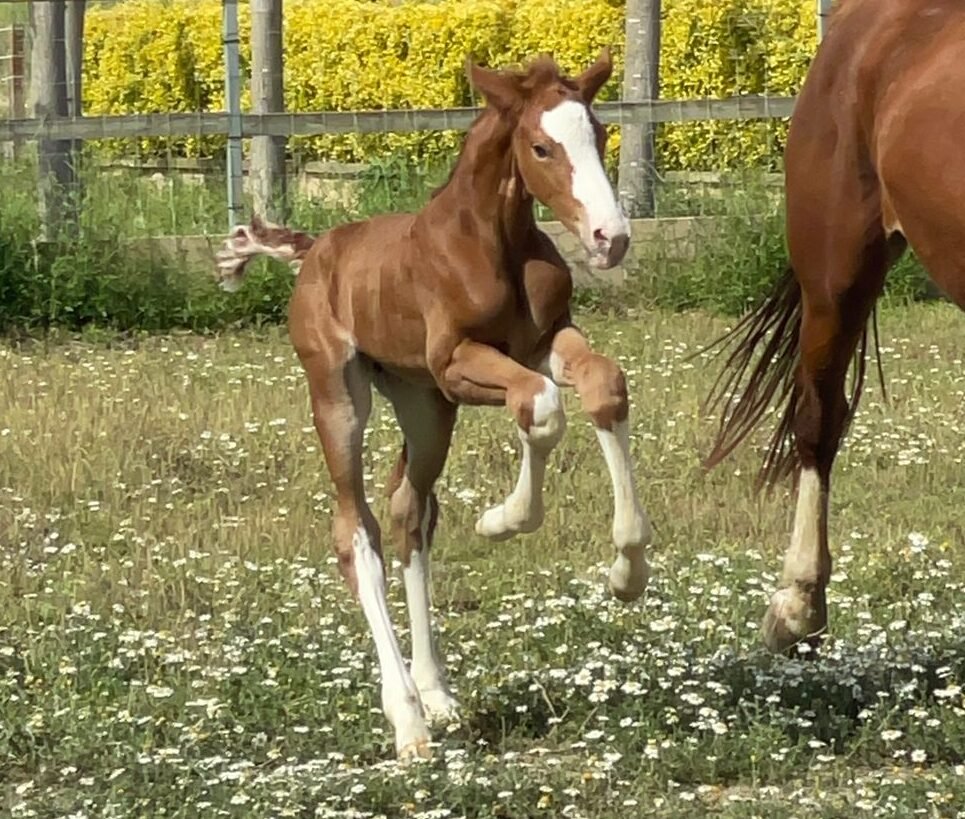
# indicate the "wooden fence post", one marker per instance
pixel 267 165
pixel 640 82
pixel 48 100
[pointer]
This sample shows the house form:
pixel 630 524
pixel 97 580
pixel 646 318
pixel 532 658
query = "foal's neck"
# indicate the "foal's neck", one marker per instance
pixel 485 181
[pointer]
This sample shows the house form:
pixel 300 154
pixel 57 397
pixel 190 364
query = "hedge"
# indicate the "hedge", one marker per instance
pixel 165 55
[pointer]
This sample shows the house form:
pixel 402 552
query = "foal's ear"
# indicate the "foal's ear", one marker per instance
pixel 500 89
pixel 593 79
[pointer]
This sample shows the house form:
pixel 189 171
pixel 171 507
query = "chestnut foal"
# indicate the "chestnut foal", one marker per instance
pixel 464 302
pixel 874 161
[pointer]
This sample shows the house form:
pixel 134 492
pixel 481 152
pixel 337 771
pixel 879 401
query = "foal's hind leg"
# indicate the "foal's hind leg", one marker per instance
pixel 602 387
pixel 341 401
pixel 833 319
pixel 427 420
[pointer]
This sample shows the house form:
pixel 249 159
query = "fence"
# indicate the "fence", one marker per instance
pixel 54 128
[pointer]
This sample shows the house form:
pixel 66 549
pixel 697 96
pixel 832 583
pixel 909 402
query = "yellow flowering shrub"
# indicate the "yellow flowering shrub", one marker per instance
pixel 724 48
pixel 166 55
pixel 346 54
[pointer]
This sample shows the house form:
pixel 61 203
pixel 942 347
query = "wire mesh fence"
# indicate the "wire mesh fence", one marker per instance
pixel 371 125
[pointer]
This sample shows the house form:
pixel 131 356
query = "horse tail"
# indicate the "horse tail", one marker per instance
pixel 259 238
pixel 745 389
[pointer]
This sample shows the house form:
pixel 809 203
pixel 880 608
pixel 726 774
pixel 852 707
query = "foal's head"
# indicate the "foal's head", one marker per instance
pixel 558 147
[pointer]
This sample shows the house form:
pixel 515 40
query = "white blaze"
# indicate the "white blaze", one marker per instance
pixel 569 125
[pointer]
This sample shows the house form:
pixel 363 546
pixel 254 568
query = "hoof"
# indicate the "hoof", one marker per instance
pixel 628 580
pixel 495 524
pixel 793 619
pixel 439 707
pixel 415 751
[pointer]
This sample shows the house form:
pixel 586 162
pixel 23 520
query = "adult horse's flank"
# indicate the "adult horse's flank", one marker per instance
pixel 875 159
pixel 464 302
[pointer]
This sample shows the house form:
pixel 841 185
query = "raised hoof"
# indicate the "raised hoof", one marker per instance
pixel 415 751
pixel 792 621
pixel 493 524
pixel 439 707
pixel 628 580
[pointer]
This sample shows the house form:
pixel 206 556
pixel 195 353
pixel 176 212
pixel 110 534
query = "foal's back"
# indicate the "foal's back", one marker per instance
pixel 363 277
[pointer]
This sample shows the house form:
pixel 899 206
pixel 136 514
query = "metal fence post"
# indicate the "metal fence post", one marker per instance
pixel 233 95
pixel 824 11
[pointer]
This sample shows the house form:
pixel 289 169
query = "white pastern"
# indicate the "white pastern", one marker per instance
pixel 522 511
pixel 569 125
pixel 400 699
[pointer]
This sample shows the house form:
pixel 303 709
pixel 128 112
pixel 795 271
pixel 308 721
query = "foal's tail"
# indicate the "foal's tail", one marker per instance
pixel 744 389
pixel 256 239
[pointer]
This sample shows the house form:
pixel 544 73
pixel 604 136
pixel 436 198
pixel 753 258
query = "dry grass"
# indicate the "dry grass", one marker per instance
pixel 174 639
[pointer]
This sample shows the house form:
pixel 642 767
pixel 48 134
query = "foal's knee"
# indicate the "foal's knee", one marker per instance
pixel 603 390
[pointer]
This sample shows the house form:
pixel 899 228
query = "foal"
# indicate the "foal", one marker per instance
pixel 874 159
pixel 464 302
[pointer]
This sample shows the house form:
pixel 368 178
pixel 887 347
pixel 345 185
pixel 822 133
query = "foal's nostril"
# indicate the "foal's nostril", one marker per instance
pixel 600 236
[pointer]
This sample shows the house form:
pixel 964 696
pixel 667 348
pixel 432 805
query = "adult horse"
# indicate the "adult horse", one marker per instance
pixel 874 161
pixel 464 302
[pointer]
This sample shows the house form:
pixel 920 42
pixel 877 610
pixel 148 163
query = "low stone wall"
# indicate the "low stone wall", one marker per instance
pixel 667 238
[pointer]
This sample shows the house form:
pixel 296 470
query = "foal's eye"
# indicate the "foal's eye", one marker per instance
pixel 541 151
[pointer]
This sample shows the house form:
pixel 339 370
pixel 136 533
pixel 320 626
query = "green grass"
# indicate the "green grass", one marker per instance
pixel 175 640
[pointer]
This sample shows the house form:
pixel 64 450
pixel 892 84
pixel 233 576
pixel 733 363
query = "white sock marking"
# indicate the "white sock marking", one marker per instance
pixel 400 700
pixel 630 524
pixel 804 554
pixel 426 669
pixel 569 125
pixel 522 511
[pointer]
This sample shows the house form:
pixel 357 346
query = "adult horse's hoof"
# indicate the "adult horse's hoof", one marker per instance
pixel 628 579
pixel 794 618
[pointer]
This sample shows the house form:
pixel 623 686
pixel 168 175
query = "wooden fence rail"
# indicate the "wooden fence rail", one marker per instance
pixel 389 121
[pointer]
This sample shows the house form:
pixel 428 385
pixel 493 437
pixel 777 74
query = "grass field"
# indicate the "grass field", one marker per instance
pixel 175 641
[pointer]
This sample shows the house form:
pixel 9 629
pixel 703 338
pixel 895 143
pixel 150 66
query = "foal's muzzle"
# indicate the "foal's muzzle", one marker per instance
pixel 608 251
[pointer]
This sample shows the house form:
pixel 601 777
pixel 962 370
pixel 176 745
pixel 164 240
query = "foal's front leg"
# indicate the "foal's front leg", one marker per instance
pixel 602 388
pixel 479 374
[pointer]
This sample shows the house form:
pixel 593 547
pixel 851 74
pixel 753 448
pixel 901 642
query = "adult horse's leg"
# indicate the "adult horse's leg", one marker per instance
pixel 427 420
pixel 479 374
pixel 840 265
pixel 602 388
pixel 341 401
